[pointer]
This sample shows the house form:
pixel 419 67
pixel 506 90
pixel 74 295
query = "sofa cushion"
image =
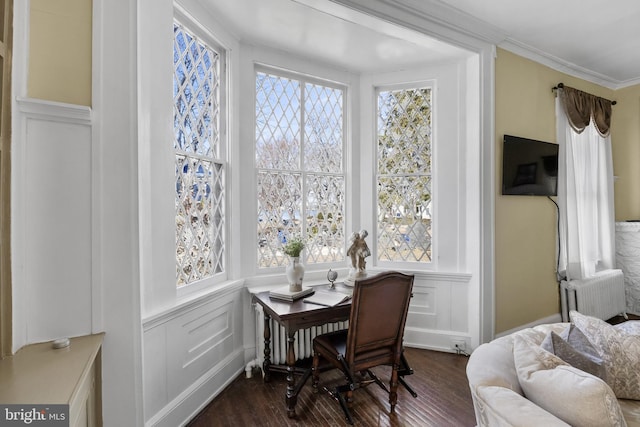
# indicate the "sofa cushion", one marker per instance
pixel 619 351
pixel 572 346
pixel 492 363
pixel 630 411
pixel 575 396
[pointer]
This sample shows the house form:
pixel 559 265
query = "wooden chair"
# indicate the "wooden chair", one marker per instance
pixel 376 327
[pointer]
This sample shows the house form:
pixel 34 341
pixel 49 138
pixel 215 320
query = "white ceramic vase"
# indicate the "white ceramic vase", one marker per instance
pixel 295 274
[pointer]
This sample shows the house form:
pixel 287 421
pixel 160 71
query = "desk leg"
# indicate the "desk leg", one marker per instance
pixel 292 395
pixel 266 365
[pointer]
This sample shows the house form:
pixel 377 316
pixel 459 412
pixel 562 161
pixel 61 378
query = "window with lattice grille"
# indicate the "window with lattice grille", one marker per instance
pixel 300 171
pixel 404 175
pixel 199 169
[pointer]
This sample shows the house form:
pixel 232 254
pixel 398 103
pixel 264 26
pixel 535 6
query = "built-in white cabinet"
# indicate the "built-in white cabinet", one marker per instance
pixel 39 374
pixel 628 260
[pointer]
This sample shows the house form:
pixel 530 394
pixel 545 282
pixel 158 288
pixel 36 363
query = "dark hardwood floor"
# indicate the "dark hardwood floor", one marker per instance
pixel 439 379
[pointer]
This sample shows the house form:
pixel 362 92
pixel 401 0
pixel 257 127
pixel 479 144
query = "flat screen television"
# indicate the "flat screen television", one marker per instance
pixel 529 167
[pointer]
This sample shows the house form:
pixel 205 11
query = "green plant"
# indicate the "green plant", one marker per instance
pixel 294 247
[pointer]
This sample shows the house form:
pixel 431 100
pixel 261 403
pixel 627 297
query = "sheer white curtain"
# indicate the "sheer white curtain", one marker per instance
pixel 585 199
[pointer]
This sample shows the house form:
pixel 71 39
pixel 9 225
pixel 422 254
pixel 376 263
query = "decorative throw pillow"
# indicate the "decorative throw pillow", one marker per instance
pixel 631 327
pixel 576 397
pixel 619 351
pixel 575 349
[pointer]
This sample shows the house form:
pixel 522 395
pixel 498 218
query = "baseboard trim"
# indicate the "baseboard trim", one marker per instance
pixel 554 318
pixel 191 401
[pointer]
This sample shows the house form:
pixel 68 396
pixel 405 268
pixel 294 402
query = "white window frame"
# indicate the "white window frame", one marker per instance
pixel 405 265
pixel 202 34
pixel 313 79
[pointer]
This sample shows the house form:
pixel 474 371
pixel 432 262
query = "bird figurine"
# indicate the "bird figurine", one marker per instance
pixel 331 277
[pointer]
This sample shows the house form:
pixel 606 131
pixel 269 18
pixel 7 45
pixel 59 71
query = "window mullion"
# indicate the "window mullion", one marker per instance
pixel 303 168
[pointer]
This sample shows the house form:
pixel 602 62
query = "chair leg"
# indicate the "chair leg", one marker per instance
pixel 377 380
pixel 315 372
pixel 393 388
pixel 408 387
pixel 405 369
pixel 343 405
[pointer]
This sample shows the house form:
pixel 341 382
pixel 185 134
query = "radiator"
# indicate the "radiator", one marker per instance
pixel 303 341
pixel 600 296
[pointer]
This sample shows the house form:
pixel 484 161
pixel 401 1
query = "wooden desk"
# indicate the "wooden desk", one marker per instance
pixel 294 316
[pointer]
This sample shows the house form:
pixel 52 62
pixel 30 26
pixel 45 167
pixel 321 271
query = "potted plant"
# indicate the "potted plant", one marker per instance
pixel 295 269
pixel 294 247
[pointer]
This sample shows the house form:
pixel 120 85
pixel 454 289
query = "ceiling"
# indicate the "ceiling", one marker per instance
pixel 597 40
pixel 600 38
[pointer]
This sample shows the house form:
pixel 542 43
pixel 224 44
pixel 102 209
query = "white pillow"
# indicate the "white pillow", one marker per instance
pixel 576 397
pixel 619 351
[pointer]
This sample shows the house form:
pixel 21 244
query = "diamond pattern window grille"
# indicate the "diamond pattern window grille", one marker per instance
pixel 199 171
pixel 299 160
pixel 404 175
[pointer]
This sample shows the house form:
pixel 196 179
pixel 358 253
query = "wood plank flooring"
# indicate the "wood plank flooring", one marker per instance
pixel 439 379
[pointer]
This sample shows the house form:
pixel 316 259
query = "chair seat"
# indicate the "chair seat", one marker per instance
pixel 334 344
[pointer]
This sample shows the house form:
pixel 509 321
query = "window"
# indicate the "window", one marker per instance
pixel 300 172
pixel 404 175
pixel 199 150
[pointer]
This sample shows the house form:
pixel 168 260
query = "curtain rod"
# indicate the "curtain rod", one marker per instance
pixel 561 85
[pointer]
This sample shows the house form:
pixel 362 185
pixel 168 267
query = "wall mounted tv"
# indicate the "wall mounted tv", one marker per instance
pixel 529 167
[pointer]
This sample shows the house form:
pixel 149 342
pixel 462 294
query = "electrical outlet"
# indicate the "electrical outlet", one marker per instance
pixel 458 344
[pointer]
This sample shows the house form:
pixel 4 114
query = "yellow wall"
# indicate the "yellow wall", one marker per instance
pixel 526 288
pixel 60 51
pixel 625 141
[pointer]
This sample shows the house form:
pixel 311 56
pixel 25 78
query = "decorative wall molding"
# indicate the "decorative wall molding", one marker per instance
pixel 191 353
pixel 57 111
pixel 561 65
pixel 192 304
pixel 554 318
pixel 443 276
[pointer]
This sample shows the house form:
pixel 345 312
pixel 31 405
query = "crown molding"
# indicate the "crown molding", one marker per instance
pixel 447 23
pixel 448 16
pixel 558 64
pixel 430 17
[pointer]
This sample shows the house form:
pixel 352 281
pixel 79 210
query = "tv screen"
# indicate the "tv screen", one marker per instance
pixel 529 167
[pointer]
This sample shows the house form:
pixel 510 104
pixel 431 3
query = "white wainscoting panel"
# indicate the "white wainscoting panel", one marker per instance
pixel 439 311
pixel 190 354
pixel 52 181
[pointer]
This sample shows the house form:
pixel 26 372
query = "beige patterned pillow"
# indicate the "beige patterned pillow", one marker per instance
pixel 631 327
pixel 619 351
pixel 576 397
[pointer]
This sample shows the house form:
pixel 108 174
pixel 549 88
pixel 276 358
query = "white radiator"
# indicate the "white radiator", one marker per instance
pixel 600 296
pixel 303 342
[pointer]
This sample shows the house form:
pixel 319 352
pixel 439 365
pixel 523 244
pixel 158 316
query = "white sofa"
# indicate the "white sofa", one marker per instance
pixel 499 399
